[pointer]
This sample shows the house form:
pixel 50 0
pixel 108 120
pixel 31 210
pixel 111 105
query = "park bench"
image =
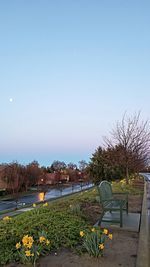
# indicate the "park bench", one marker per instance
pixel 112 202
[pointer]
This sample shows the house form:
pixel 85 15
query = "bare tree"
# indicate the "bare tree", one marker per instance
pixel 58 165
pixel 71 166
pixel 133 135
pixel 82 165
pixel 13 176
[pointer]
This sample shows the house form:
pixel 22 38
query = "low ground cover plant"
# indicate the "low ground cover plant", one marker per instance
pixel 62 230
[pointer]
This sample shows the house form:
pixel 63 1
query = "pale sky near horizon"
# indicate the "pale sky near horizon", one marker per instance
pixel 69 69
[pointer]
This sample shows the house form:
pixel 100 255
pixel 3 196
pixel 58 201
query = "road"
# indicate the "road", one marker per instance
pixel 41 196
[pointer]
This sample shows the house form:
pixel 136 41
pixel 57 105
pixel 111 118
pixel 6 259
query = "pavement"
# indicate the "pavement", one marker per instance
pixel 148 206
pixel 15 212
pixel 131 221
pixel 143 255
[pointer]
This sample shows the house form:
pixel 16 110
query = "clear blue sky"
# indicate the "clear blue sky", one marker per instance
pixel 72 68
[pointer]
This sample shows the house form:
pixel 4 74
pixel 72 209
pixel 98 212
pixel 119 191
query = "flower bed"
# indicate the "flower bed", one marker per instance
pixel 62 222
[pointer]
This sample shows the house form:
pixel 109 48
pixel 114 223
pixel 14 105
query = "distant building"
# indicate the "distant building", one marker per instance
pixel 64 178
pixel 53 178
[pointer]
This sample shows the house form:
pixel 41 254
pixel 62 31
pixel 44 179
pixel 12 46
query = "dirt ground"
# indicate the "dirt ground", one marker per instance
pixel 121 251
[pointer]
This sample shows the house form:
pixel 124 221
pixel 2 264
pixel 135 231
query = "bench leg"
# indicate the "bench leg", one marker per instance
pixel 127 207
pixel 100 219
pixel 121 222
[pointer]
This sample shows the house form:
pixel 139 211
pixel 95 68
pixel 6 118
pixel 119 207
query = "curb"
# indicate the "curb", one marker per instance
pixel 143 259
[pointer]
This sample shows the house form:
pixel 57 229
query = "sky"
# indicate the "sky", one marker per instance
pixel 69 69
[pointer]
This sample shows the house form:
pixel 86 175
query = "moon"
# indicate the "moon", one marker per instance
pixel 10 100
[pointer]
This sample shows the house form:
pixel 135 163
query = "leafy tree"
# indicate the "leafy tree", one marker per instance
pixel 97 166
pixel 114 168
pixel 106 164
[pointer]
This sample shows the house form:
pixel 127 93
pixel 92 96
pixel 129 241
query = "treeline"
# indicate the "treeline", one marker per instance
pixel 17 177
pixel 126 152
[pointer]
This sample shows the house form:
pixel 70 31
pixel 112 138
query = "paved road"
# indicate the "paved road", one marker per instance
pixel 37 197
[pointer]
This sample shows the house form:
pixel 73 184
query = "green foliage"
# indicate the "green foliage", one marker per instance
pixel 121 186
pixel 62 229
pixel 109 164
pixel 97 166
pixel 75 209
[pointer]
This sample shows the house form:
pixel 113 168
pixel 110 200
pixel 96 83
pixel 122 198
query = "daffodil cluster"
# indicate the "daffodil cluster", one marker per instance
pixel 94 240
pixel 42 239
pixel 7 219
pixel 27 241
pixel 31 248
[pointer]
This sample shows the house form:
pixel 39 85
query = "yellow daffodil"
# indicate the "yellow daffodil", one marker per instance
pixel 82 233
pixel 93 230
pixel 28 253
pixel 45 204
pixel 42 239
pixel 18 245
pixel 101 246
pixel 30 239
pixel 47 242
pixel 123 181
pixel 27 241
pixel 105 231
pixel 34 205
pixel 29 245
pixel 6 218
pixel 110 236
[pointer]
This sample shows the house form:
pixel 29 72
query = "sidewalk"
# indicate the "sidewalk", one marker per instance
pixel 131 221
pixel 143 259
pixel 15 212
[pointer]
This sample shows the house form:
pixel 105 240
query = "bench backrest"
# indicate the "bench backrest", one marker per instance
pixel 105 191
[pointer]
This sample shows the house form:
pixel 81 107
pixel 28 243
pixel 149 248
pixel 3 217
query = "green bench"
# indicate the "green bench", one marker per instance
pixel 112 202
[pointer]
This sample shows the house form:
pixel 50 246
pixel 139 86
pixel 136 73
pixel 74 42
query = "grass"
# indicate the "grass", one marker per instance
pixel 121 186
